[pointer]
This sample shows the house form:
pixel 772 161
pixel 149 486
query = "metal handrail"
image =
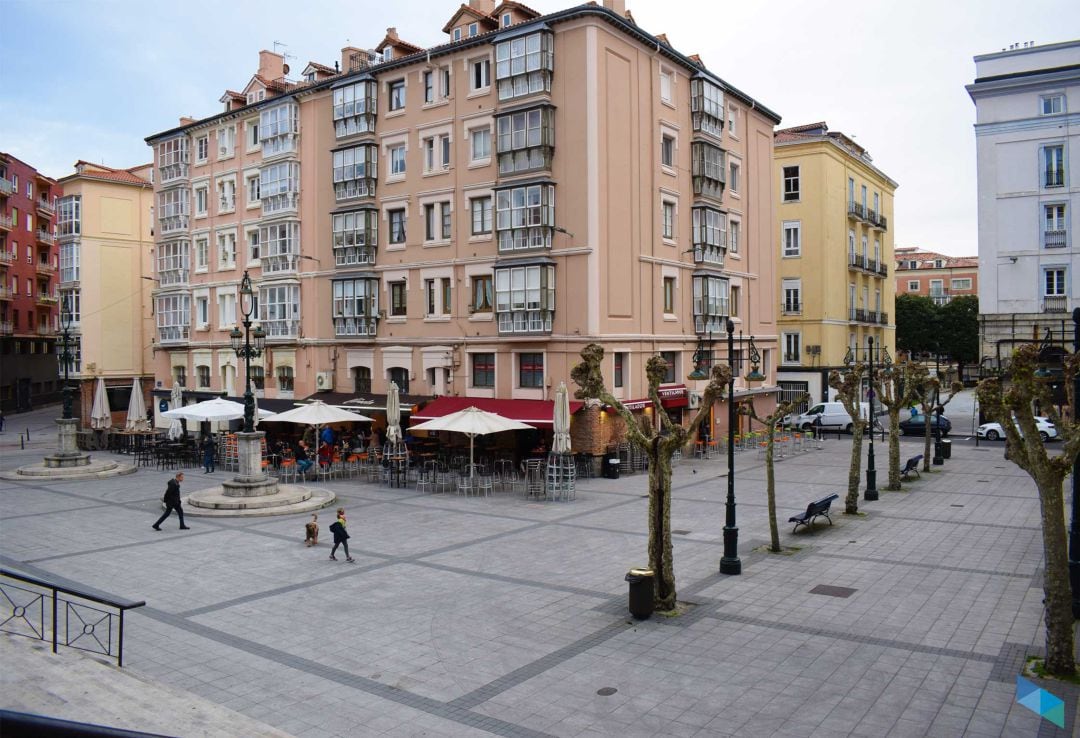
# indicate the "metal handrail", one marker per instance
pixel 20 611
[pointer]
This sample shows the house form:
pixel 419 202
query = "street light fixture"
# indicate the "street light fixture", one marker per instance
pixel 730 563
pixel 65 355
pixel 246 348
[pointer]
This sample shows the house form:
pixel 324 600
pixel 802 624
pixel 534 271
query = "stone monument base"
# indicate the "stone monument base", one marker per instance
pixel 288 499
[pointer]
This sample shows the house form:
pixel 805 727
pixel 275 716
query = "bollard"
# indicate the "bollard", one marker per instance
pixel 22 443
pixel 27 434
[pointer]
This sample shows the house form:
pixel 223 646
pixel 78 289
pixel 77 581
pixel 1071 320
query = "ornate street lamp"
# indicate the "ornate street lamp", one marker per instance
pixel 702 358
pixel 65 354
pixel 730 563
pixel 871 493
pixel 246 348
pixel 754 375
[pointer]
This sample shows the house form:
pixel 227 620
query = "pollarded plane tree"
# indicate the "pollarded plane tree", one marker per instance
pixel 771 421
pixel 895 387
pixel 1010 402
pixel 659 447
pixel 848 386
pixel 928 395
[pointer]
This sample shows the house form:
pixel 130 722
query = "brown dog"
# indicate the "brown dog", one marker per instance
pixel 311 531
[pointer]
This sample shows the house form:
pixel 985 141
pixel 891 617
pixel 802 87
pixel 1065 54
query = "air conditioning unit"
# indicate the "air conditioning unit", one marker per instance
pixel 694 400
pixel 324 381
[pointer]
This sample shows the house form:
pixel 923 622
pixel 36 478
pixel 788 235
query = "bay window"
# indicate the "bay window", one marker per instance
pixel 526 140
pixel 356 306
pixel 710 303
pixel 355 237
pixel 279 187
pixel 706 107
pixel 172 262
pixel 278 129
pixel 280 246
pixel 279 310
pixel 709 169
pixel 355 170
pixel 173 314
pixel 69 216
pixel 69 261
pixel 174 210
pixel 525 298
pixel 172 156
pixel 355 108
pixel 523 65
pixel 709 235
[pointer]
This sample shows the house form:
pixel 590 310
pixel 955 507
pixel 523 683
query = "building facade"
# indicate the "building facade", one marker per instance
pixel 104 229
pixel 834 222
pixel 938 276
pixel 463 220
pixel 28 286
pixel 1027 137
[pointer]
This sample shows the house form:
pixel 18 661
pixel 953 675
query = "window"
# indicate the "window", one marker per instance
pixel 851 193
pixel 1054 282
pixel 280 244
pixel 355 237
pixel 791 294
pixel 253 190
pixel 480 207
pixel 279 310
pixel 437 221
pixel 278 129
pixel 706 107
pixel 437 293
pixel 396 90
pixel 429 86
pixel 792 347
pixel 180 375
pixel 202 199
pixel 483 297
pixel 1051 104
pixel 480 143
pixel 202 376
pixel 483 370
pixel 172 159
pixel 202 148
pixel 397 159
pixel 669 295
pixel 474 28
pixel 226 190
pixel 667 151
pixel 226 138
pixel 530 370
pixel 672 359
pixel 792 238
pixel 285 378
pixel 877 203
pixel 69 216
pixel 735 229
pixel 507 19
pixel 667 220
pixel 791 184
pixel 1053 166
pixel 709 171
pixel 733 120
pixel 356 307
pixel 361 379
pixel 525 298
pixel 252 128
pixel 525 217
pixel 480 78
pixel 279 187
pixel 69 261
pixel 733 177
pixel 733 302
pixel 523 65
pixel 436 153
pixel 354 108
pixel 618 379
pixel 526 140
pixel 913 285
pixel 960 283
pixel 173 317
pixel 226 245
pixel 258 377
pixel 202 253
pixel 397 225
pixel 398 298
pixel 355 172
pixel 457 34
pixel 1054 226
pixel 172 262
pixel 710 304
pixel 709 235
pixel 226 308
pixel 399 375
pixel 202 311
pixel 667 85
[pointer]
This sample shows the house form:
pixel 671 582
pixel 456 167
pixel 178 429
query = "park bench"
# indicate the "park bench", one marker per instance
pixel 912 465
pixel 816 509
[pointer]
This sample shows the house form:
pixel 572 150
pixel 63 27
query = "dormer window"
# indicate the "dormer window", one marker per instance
pixel 473 29
pixel 310 77
pixel 507 19
pixel 457 34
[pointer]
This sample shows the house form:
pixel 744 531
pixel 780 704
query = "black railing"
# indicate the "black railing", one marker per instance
pixel 84 627
pixel 18 724
pixel 791 307
pixel 1054 239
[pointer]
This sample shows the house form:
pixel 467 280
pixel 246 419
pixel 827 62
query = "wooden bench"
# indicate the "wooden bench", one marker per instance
pixel 912 465
pixel 816 509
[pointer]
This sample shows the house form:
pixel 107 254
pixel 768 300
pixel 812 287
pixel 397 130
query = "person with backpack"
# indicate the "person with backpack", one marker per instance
pixel 341 536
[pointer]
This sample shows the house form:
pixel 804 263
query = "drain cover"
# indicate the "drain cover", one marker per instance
pixel 831 591
pixel 606 691
pixel 680 532
pixel 955 505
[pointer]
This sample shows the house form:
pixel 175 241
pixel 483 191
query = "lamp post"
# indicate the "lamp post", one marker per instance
pixel 871 492
pixel 1074 528
pixel 245 349
pixel 65 355
pixel 730 563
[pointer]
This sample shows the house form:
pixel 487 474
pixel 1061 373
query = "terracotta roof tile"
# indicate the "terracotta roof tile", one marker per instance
pixel 101 171
pixel 921 256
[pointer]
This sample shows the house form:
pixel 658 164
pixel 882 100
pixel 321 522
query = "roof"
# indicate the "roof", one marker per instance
pixel 466 10
pixel 913 253
pixel 537 413
pixel 321 67
pixel 91 170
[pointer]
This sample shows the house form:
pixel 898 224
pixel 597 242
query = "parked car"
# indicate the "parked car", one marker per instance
pixel 916 425
pixel 994 431
pixel 831 414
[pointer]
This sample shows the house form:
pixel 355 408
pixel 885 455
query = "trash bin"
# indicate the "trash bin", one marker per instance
pixel 611 466
pixel 946 448
pixel 641 592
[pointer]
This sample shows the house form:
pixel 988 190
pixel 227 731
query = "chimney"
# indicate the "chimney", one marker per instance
pixel 619 6
pixel 271 65
pixel 186 120
pixel 391 34
pixel 350 58
pixel 487 7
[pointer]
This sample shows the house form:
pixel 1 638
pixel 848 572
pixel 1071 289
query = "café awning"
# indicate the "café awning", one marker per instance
pixel 537 413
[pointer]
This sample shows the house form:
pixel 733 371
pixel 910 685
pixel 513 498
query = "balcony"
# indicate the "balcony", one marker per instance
pixel 358 326
pixel 46 300
pixel 6 293
pixel 858 262
pixel 173 334
pixel 5 222
pixel 44 330
pixel 171 173
pixel 44 267
pixel 1054 239
pixel 7 187
pixel 791 307
pixel 1055 304
pixel 173 224
pixel 46 238
pixel 280 329
pixel 6 327
pixel 6 257
pixel 877 221
pixel 940 297
pixel 45 208
pixel 856 211
pixel 879 317
pixel 862 315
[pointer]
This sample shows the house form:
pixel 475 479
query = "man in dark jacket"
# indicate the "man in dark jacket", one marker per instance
pixel 172 501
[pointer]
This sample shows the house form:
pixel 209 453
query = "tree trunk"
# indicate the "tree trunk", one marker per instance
pixel 1056 587
pixel 894 448
pixel 660 551
pixel 851 502
pixel 770 488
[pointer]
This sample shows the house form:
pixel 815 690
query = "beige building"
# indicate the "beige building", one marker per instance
pixel 105 234
pixel 834 224
pixel 464 219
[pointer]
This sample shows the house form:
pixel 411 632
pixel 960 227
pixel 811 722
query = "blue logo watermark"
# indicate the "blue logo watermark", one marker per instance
pixel 1039 701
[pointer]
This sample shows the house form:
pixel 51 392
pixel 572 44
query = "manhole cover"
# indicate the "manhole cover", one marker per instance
pixel 983 481
pixel 831 591
pixel 606 691
pixel 680 532
pixel 955 505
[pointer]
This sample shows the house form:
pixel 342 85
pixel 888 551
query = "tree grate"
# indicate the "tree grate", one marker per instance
pixel 831 591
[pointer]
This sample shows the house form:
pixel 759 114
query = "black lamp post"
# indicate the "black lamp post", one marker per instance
pixel 730 563
pixel 246 348
pixel 65 355
pixel 1074 528
pixel 871 493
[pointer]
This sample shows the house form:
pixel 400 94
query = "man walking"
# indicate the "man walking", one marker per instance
pixel 172 501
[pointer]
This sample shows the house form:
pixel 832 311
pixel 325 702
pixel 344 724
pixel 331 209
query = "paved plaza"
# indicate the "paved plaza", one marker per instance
pixel 472 617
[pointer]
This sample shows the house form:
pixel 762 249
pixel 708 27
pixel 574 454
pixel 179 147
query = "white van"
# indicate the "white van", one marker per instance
pixel 831 415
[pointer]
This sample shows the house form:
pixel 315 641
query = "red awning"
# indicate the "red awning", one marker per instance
pixel 537 413
pixel 672 395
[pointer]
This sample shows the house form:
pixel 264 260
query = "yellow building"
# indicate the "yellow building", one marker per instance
pixel 104 229
pixel 836 248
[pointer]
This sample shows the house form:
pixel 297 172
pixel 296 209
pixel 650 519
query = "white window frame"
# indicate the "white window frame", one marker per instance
pixel 480 70
pixel 669 216
pixel 666 85
pixel 1048 101
pixel 1061 287
pixel 960 283
pixel 200 194
pixel 914 285
pixel 226 249
pixel 202 148
pixel 252 246
pixel 225 190
pixel 279 129
pixel 279 310
pixel 734 174
pixel 480 154
pixel 789 251
pixel 733 121
pixel 397 156
pixel 226 142
pixel 791 295
pixel 200 245
pixel 251 182
pixel 791 345
pixel 734 234
pixel 251 134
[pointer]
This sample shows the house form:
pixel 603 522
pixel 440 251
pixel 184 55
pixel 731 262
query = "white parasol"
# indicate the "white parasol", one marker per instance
pixel 217 409
pixel 176 401
pixel 100 415
pixel 473 422
pixel 318 413
pixel 560 443
pixel 136 415
pixel 393 415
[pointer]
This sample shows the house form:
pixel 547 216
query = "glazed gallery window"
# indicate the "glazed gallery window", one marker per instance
pixel 280 246
pixel 278 129
pixel 483 370
pixel 706 107
pixel 525 140
pixel 355 171
pixel 523 65
pixel 354 108
pixel 524 217
pixel 279 187
pixel 279 310
pixel 355 237
pixel 525 298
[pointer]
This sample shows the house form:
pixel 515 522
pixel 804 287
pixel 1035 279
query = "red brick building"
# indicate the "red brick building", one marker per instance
pixel 29 290
pixel 938 276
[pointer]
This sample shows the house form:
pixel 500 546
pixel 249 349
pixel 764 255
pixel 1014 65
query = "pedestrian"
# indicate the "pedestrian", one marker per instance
pixel 341 536
pixel 172 502
pixel 208 450
pixel 303 458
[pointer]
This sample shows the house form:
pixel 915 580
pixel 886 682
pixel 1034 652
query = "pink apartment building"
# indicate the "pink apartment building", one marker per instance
pixel 938 276
pixel 464 219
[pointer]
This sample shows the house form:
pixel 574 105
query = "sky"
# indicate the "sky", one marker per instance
pixel 90 79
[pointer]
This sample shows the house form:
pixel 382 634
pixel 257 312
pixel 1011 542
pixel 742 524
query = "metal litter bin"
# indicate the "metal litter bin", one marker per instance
pixel 611 466
pixel 946 448
pixel 641 592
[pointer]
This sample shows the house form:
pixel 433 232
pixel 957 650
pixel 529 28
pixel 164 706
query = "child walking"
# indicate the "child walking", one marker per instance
pixel 341 536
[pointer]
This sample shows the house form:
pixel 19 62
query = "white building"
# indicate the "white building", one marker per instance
pixel 1027 133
